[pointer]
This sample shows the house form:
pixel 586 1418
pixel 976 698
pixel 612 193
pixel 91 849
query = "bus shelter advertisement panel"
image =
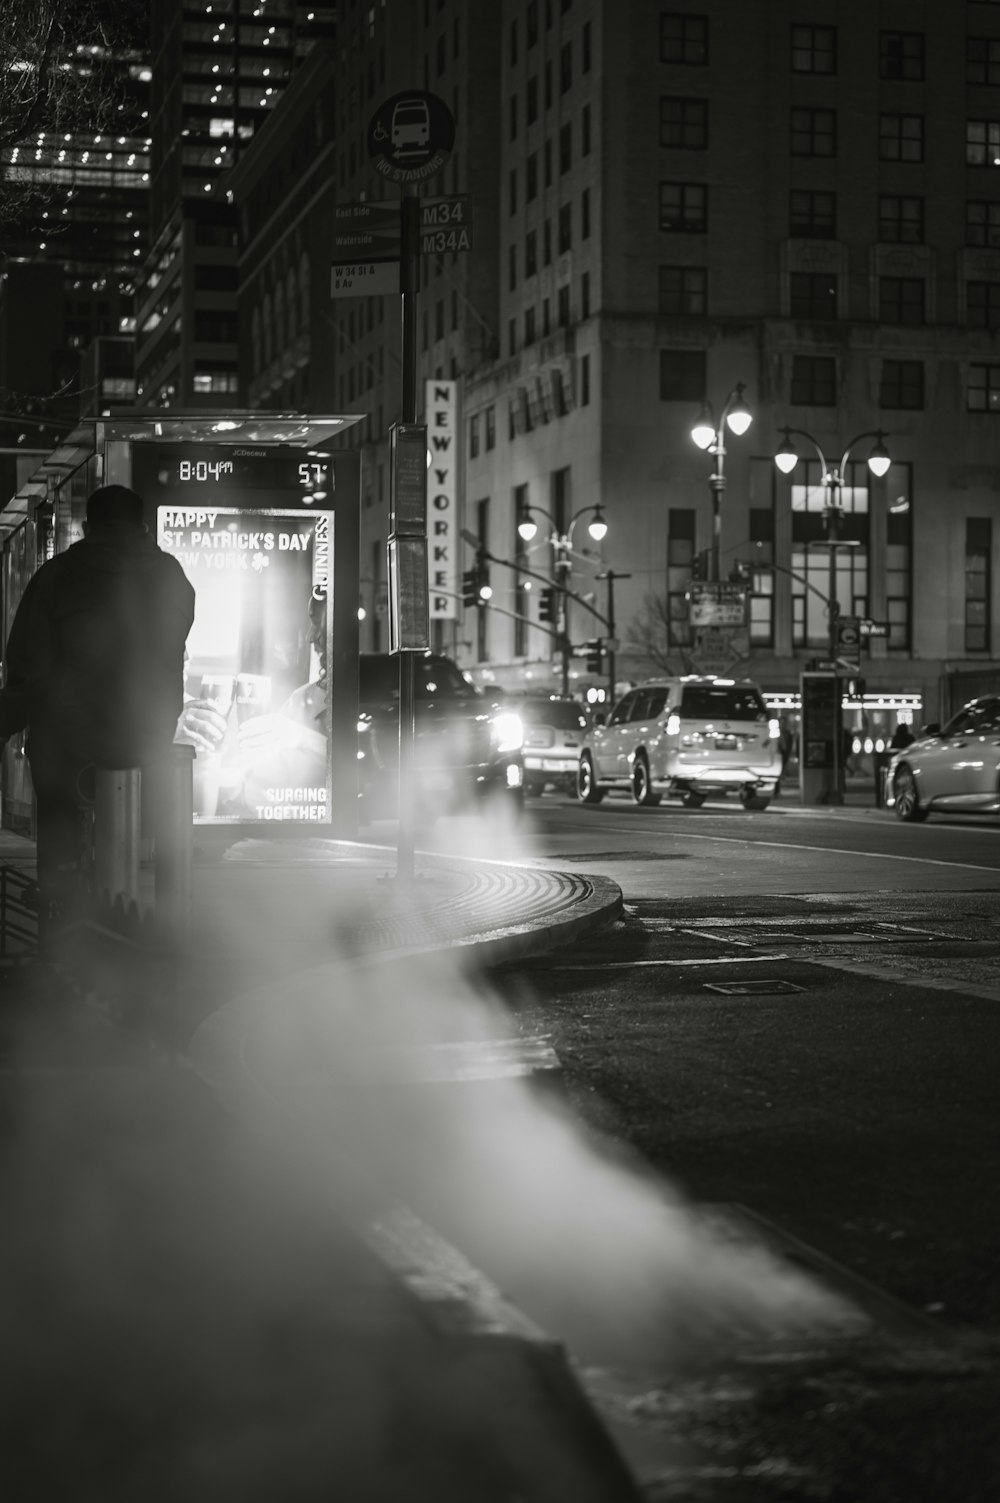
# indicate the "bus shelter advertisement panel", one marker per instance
pixel 255 697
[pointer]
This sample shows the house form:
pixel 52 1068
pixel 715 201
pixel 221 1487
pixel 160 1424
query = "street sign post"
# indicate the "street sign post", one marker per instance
pixel 366 250
pixel 410 136
pixel 874 628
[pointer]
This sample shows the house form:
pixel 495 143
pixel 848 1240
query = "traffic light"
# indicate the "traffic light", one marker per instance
pixel 547 604
pixel 698 566
pixel 484 590
pixel 470 587
pixel 595 655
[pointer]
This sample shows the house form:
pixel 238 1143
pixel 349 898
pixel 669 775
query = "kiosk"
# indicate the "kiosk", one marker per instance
pixel 262 513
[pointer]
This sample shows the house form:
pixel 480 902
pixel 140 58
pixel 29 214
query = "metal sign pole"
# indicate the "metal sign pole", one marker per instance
pixel 409 286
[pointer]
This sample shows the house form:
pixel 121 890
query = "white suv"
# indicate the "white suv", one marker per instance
pixel 687 736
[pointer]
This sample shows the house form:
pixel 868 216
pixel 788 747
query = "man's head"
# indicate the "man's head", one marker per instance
pixel 114 506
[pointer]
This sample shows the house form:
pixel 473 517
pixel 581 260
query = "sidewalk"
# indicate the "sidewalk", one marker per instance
pixel 272 1325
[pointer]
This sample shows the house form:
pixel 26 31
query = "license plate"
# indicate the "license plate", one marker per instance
pixel 727 743
pixel 549 764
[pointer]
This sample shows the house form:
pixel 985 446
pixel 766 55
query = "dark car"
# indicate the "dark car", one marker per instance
pixel 466 747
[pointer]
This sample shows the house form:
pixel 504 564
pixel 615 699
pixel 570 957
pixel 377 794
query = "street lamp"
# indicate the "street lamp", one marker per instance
pixel 711 436
pixel 562 543
pixel 832 479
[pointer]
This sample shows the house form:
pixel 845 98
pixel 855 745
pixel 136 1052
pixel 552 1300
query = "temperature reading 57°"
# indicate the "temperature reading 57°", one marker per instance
pixel 311 475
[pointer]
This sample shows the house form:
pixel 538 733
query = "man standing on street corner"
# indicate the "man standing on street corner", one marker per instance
pixel 95 671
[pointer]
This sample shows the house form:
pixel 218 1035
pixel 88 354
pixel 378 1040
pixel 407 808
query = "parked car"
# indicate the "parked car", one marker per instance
pixel 466 747
pixel 554 728
pixel 687 737
pixel 952 769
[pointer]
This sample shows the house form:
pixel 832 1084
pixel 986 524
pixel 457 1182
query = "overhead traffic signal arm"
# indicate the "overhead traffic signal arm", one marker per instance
pixel 505 563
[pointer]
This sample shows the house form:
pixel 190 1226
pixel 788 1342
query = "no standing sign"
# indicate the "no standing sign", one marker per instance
pixel 410 136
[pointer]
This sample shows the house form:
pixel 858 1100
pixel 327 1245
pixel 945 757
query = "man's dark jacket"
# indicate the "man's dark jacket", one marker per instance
pixel 95 657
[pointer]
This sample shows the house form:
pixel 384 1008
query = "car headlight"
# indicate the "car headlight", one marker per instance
pixel 507 731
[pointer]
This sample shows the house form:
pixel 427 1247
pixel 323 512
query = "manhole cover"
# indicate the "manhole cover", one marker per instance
pixel 752 988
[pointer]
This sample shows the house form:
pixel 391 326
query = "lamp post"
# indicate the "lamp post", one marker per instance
pixel 562 544
pixel 712 438
pixel 832 480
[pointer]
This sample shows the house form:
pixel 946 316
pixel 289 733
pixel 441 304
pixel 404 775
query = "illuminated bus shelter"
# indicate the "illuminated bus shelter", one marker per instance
pixel 262 513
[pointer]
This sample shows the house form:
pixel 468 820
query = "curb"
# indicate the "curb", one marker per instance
pixel 543 1421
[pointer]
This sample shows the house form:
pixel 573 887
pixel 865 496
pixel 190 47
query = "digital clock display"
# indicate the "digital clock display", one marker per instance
pixel 276 475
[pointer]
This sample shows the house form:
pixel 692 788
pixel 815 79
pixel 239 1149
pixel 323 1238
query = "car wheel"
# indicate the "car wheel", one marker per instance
pixel 588 790
pixel 908 806
pixel 642 788
pixel 692 800
pixel 754 800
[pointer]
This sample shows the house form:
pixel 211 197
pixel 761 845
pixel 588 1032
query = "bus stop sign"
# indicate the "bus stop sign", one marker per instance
pixel 410 136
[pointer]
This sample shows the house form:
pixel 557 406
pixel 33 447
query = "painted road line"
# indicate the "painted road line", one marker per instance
pixel 827 850
pixel 628 965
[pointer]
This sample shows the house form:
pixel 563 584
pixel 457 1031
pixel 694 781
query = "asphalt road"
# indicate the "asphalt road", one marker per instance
pixel 799 1017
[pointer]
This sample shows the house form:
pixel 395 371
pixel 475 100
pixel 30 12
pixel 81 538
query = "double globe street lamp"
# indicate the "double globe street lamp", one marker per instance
pixel 562 545
pixel 711 437
pixel 832 480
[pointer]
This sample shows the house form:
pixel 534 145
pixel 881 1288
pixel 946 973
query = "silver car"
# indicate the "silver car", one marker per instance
pixel 687 737
pixel 952 769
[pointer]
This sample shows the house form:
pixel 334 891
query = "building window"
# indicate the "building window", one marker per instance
pixel 982 143
pixel 814 381
pixel 531 103
pixel 211 377
pixel 814 49
pixel 585 214
pixel 513 42
pixel 983 391
pixel 683 208
pixel 547 243
pixel 982 61
pixel 585 381
pixel 813 294
pixel 562 307
pixel 512 190
pixel 585 131
pixel 898 556
pixel 565 68
pixel 682 375
pixel 683 289
pixel 900 219
pixel 585 295
pixel 491 428
pixel 982 223
pixel 474 436
pixel 683 39
pixel 684 123
pixel 511 268
pixel 585 48
pixel 813 133
pixel 901 55
pixel 901 138
pixel 565 147
pixel 982 305
pixel 547 161
pixel 547 76
pixel 565 228
pixel 531 178
pixel 529 326
pixel 512 336
pixel 901 300
pixel 530 253
pixel 902 387
pixel 812 214
pixel 978 583
pixel 810 565
pixel 531 23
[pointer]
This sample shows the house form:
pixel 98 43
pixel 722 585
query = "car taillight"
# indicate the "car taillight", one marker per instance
pixel 673 724
pixel 774 729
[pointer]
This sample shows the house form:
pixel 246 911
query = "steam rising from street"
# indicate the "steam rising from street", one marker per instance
pixel 184 1312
